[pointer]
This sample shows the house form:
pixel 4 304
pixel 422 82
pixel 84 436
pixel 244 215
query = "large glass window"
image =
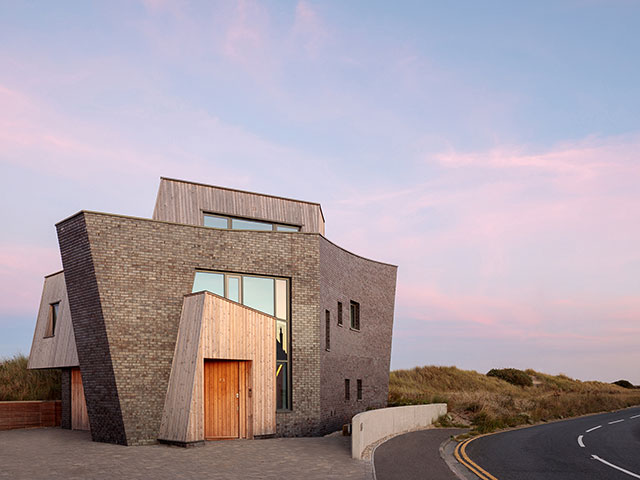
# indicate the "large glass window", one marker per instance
pixel 258 293
pixel 233 223
pixel 267 294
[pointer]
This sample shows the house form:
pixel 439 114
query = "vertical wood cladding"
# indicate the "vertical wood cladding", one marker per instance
pixel 185 202
pixel 363 354
pixel 90 331
pixel 126 279
pixel 58 350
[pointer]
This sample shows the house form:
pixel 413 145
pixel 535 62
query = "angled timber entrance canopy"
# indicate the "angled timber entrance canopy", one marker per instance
pixel 214 328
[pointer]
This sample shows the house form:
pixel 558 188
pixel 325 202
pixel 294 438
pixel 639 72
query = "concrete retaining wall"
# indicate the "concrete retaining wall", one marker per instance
pixel 370 427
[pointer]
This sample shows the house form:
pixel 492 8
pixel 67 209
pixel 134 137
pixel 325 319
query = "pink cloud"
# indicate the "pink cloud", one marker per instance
pixel 22 268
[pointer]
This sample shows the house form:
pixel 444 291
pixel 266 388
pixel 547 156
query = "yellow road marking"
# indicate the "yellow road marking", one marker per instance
pixel 461 455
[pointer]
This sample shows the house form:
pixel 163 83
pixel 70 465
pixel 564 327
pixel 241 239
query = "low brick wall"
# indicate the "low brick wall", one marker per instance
pixel 39 413
pixel 370 427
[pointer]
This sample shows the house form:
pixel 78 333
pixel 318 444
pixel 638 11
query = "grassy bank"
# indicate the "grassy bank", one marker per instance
pixel 490 403
pixel 18 383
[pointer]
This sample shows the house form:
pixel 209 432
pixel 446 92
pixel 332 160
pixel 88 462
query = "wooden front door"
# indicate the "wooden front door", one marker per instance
pixel 79 416
pixel 222 399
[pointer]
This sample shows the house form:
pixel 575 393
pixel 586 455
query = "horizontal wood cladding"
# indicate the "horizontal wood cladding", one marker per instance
pixel 184 202
pixel 212 327
pixel 34 414
pixel 59 350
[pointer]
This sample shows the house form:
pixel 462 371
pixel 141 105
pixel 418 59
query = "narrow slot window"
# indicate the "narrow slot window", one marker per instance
pixel 327 315
pixel 52 319
pixel 340 313
pixel 347 389
pixel 355 315
pixel 359 386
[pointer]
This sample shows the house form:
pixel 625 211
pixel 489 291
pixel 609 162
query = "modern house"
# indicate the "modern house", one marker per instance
pixel 228 314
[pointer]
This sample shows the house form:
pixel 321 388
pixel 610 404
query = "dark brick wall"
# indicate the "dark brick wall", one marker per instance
pixel 363 354
pixel 126 279
pixel 103 406
pixel 65 396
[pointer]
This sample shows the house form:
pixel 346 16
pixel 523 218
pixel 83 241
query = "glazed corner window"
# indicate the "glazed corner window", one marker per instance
pixel 347 389
pixel 233 223
pixel 355 315
pixel 266 294
pixel 359 386
pixel 340 313
pixel 52 320
pixel 327 315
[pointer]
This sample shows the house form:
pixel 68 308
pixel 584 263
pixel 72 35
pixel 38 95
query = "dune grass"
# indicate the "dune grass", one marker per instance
pixel 487 403
pixel 18 383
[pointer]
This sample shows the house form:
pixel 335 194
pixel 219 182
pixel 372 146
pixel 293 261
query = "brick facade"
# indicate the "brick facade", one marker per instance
pixel 65 396
pixel 126 278
pixel 363 354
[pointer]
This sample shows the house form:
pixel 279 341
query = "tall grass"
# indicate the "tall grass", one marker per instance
pixel 489 403
pixel 18 383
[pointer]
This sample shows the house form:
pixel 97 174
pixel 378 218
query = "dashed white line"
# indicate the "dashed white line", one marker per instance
pixel 580 441
pixel 634 475
pixel 594 428
pixel 635 416
pixel 616 421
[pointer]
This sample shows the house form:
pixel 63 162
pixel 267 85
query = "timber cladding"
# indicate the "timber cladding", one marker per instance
pixel 57 350
pixel 126 279
pixel 30 414
pixel 184 202
pixel 217 337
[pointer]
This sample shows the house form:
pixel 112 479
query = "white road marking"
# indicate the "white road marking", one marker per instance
pixel 616 421
pixel 580 441
pixel 594 428
pixel 635 416
pixel 634 475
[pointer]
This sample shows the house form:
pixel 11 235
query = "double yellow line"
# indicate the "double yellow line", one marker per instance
pixel 460 453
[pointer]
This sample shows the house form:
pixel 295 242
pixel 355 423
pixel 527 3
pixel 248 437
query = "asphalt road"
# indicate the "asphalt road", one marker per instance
pixel 597 447
pixel 414 455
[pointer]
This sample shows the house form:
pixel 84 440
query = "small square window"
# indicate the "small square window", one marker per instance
pixel 347 389
pixel 359 385
pixel 355 315
pixel 52 319
pixel 340 313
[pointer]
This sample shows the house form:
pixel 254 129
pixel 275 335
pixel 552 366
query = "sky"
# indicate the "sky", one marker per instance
pixel 489 149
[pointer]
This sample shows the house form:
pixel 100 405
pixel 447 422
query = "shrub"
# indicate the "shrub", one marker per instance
pixel 624 384
pixel 18 383
pixel 511 375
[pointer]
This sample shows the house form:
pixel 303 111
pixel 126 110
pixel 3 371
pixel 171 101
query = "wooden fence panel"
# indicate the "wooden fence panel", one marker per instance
pixel 32 414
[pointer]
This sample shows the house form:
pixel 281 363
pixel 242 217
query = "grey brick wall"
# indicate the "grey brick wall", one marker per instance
pixel 126 278
pixel 65 397
pixel 90 332
pixel 363 354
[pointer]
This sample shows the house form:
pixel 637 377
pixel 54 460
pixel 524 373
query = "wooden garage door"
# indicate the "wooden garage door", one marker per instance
pixel 79 416
pixel 222 399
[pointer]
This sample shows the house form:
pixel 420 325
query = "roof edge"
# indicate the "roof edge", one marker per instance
pixel 244 191
pixel 54 273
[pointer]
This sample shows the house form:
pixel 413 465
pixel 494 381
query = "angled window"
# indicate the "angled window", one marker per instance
pixel 340 313
pixel 347 389
pixel 355 315
pixel 52 320
pixel 359 386
pixel 216 221
pixel 327 315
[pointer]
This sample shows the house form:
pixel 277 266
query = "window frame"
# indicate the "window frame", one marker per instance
pixel 230 218
pixel 52 319
pixel 340 321
pixel 327 333
pixel 354 320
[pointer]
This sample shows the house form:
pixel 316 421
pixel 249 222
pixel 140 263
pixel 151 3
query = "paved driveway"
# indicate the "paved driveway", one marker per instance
pixel 54 453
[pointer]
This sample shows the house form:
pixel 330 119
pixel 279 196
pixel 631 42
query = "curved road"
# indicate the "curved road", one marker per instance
pixel 597 447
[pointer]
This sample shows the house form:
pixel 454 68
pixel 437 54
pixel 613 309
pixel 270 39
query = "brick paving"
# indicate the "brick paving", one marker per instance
pixel 54 453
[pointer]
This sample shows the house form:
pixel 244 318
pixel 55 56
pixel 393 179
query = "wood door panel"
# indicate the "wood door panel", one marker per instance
pixel 222 402
pixel 79 416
